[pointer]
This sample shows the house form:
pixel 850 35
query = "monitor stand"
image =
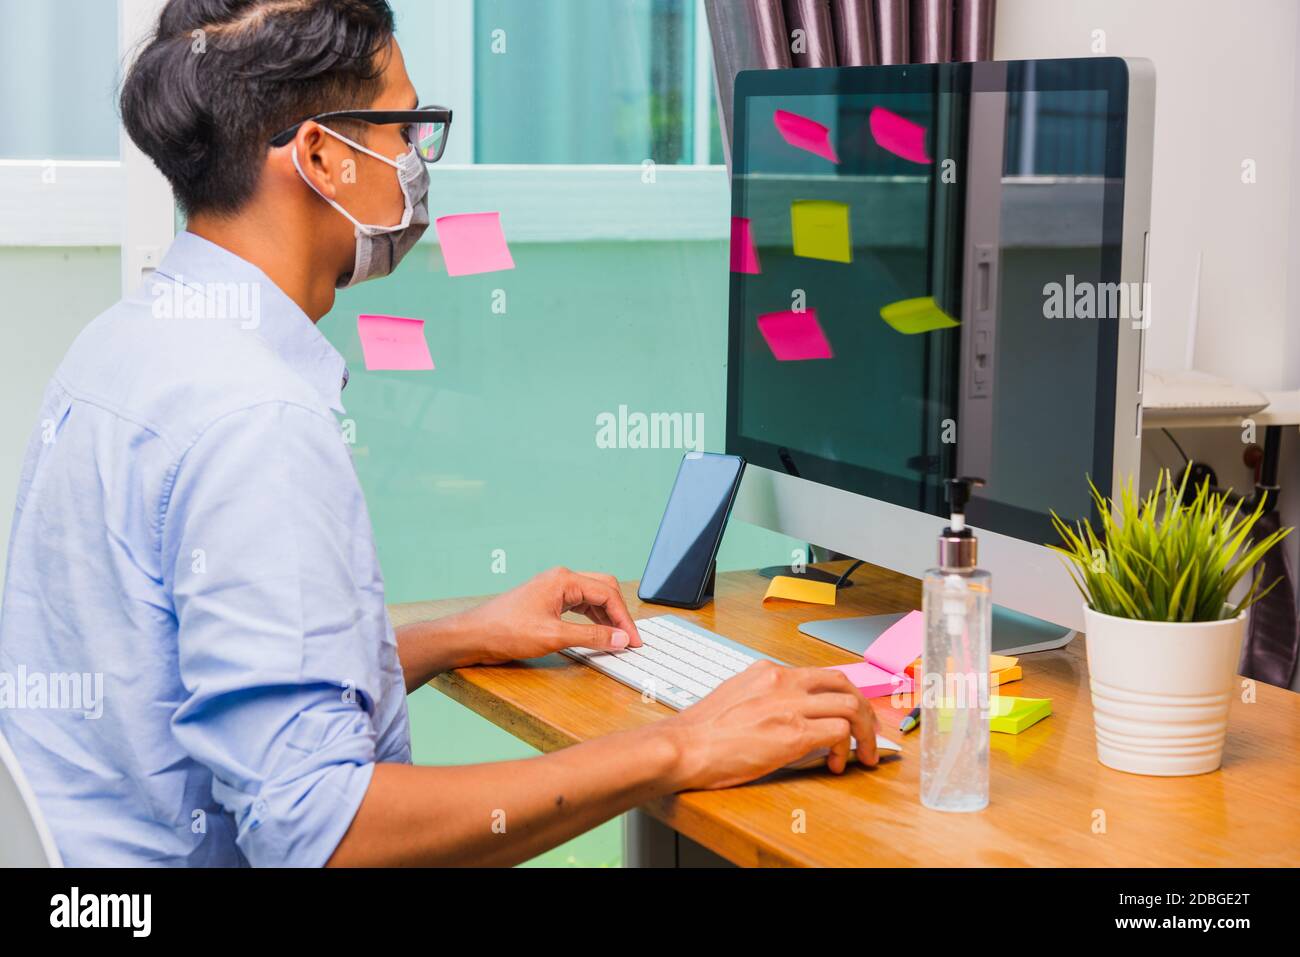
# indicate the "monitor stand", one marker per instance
pixel 807 573
pixel 1013 632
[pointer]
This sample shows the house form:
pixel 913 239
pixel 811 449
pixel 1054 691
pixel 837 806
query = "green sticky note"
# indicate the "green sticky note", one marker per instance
pixel 1007 714
pixel 913 316
pixel 820 228
pixel 1012 715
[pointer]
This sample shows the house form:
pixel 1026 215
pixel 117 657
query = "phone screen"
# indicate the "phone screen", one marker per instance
pixel 691 530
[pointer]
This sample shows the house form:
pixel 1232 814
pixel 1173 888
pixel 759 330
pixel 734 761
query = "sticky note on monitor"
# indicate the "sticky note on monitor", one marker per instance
pixel 392 342
pixel 805 134
pixel 794 336
pixel 820 230
pixel 800 589
pixel 473 243
pixel 899 135
pixel 744 254
pixel 914 316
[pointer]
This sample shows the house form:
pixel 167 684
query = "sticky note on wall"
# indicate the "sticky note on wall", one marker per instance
pixel 793 336
pixel 914 316
pixel 392 342
pixel 899 135
pixel 820 230
pixel 744 254
pixel 473 243
pixel 805 134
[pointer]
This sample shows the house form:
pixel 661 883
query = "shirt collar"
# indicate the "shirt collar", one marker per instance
pixel 277 319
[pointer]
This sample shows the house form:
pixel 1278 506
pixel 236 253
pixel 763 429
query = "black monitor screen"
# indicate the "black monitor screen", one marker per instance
pixel 909 246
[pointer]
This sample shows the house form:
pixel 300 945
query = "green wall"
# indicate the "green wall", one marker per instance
pixel 496 448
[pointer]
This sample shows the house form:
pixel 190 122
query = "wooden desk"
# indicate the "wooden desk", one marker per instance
pixel 1052 803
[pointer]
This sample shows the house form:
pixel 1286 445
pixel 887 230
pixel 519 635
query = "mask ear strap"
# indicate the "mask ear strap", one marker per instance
pixel 357 146
pixel 298 166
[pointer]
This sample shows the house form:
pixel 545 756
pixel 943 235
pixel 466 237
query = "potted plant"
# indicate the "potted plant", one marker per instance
pixel 1163 639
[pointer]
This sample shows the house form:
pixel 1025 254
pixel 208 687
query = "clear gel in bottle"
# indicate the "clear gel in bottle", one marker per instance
pixel 957 600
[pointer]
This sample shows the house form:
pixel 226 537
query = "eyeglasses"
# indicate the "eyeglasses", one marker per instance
pixel 424 128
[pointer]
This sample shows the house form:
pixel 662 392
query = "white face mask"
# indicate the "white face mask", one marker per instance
pixel 381 248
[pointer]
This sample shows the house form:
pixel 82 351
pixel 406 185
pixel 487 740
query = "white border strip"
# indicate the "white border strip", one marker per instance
pixel 588 203
pixel 60 203
pixel 82 203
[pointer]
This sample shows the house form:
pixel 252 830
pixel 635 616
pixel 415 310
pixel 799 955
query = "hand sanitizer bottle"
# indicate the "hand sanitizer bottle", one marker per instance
pixel 957 601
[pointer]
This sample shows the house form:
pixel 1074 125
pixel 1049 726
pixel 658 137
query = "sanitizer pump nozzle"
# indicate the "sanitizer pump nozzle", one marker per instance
pixel 958 546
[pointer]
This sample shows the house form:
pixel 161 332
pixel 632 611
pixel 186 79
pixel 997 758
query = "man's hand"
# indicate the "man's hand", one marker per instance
pixel 769 716
pixel 526 622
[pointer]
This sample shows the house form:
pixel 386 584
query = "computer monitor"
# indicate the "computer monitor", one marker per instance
pixel 939 270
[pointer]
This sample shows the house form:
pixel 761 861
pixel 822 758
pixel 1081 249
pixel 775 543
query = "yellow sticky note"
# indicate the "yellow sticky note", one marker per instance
pixel 821 230
pixel 1003 669
pixel 801 589
pixel 1013 715
pixel 912 316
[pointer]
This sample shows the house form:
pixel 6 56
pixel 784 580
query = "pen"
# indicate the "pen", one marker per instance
pixel 911 721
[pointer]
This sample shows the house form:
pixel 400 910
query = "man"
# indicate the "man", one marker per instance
pixel 189 524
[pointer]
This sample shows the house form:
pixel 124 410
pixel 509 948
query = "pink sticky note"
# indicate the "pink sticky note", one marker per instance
pixel 794 335
pixel 744 254
pixel 900 645
pixel 473 243
pixel 899 135
pixel 805 134
pixel 873 682
pixel 391 342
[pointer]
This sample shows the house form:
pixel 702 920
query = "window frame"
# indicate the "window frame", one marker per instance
pixel 549 202
pixel 53 202
pixel 128 203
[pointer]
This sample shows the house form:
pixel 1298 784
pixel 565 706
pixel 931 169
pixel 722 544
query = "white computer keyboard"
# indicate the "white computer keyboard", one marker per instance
pixel 679 663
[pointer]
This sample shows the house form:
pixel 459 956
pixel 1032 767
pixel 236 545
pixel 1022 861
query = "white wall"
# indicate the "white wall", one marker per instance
pixel 1226 79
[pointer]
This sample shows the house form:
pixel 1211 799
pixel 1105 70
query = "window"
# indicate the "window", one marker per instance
pixel 595 82
pixel 58 71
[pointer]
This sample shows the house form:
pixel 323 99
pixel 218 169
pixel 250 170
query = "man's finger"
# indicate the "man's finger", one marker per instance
pixel 601 577
pixel 833 734
pixel 864 729
pixel 573 634
pixel 583 589
pixel 818 680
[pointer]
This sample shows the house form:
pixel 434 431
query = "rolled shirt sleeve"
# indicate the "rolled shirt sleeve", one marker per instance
pixel 276 651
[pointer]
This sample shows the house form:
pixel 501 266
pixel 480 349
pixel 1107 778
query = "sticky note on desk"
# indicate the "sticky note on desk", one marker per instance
pixel 473 243
pixel 900 644
pixel 898 135
pixel 392 342
pixel 800 589
pixel 1007 715
pixel 820 230
pixel 805 134
pixel 1012 715
pixel 1003 669
pixel 874 682
pixel 914 316
pixel 744 254
pixel 793 336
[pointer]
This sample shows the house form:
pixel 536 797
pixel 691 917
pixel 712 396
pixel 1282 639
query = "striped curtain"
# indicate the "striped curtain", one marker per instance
pixel 779 34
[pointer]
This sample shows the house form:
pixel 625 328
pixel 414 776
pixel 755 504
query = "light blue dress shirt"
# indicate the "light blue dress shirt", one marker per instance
pixel 189 529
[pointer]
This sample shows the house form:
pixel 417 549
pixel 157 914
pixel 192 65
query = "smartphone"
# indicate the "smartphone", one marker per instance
pixel 680 569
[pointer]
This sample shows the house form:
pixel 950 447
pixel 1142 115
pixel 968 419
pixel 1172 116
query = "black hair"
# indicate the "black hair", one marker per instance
pixel 219 78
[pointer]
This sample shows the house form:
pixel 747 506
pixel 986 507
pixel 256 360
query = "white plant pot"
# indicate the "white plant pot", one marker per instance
pixel 1160 691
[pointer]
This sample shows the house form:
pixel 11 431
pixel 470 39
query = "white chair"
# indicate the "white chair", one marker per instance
pixel 25 841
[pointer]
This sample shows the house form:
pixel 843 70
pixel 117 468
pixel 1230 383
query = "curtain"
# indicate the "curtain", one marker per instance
pixel 780 34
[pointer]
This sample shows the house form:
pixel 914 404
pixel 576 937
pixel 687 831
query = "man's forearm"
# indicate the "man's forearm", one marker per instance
pixel 507 812
pixel 428 648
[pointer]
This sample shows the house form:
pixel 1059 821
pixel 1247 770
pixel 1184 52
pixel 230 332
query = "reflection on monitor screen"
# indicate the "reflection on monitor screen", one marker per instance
pixel 908 254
